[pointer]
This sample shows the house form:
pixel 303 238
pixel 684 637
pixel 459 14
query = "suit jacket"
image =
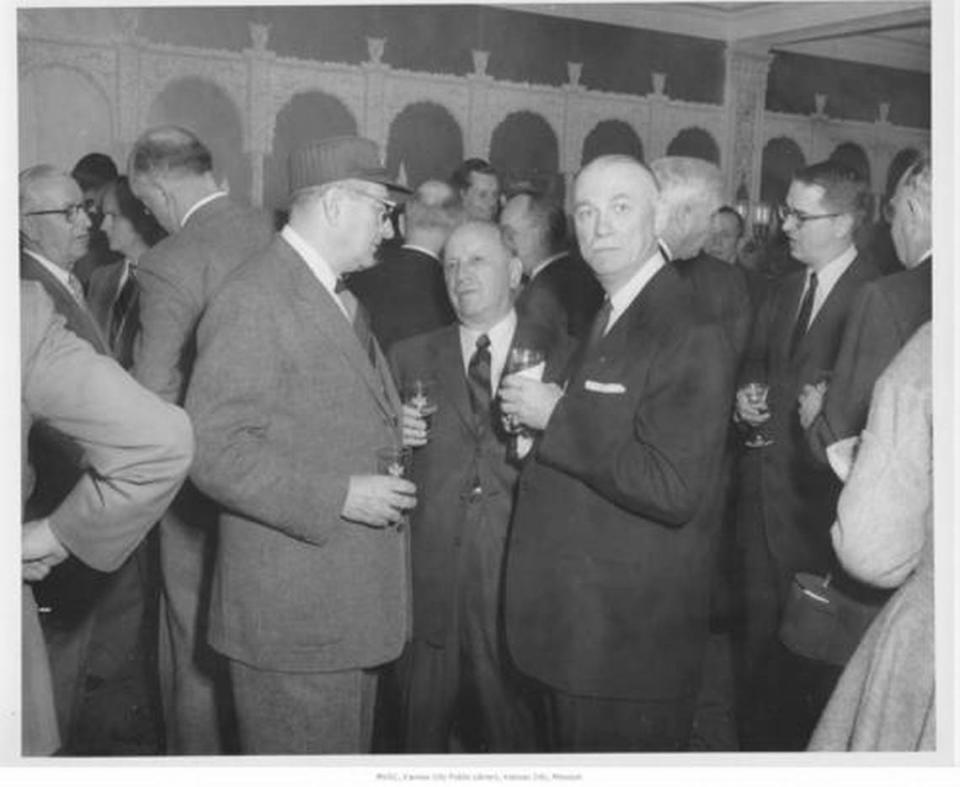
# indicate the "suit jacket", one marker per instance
pixel 798 497
pixel 446 469
pixel 405 294
pixel 721 291
pixel 177 278
pixel 562 298
pixel 611 553
pixel 883 317
pixel 57 457
pixel 138 450
pixel 287 407
pixel 102 292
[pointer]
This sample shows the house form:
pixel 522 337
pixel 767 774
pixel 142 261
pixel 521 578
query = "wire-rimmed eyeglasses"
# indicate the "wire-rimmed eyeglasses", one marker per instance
pixel 70 212
pixel 785 212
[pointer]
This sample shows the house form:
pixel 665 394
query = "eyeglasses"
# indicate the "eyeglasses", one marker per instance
pixel 785 212
pixel 70 213
pixel 387 207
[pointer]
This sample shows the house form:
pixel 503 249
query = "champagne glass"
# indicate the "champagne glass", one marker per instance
pixel 756 394
pixel 421 394
pixel 394 460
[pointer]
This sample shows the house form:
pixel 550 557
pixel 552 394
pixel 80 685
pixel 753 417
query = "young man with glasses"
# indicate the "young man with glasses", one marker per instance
pixel 787 502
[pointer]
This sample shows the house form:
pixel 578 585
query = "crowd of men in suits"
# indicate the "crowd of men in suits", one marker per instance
pixel 582 556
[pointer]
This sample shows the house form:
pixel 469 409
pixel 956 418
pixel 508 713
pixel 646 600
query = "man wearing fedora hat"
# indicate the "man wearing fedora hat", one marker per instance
pixel 171 171
pixel 292 400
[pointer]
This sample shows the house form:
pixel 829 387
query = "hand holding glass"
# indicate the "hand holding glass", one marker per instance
pixel 521 360
pixel 756 396
pixel 420 393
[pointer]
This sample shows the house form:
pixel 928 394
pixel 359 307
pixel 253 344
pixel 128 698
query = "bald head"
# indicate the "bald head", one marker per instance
pixel 52 220
pixel 481 274
pixel 614 209
pixel 691 191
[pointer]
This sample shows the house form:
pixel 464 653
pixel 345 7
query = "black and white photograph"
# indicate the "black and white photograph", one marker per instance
pixel 521 387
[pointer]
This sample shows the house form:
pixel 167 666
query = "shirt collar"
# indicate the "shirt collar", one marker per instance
pixel 546 262
pixel 422 250
pixel 828 275
pixel 317 265
pixel 61 275
pixel 501 336
pixel 199 204
pixel 622 298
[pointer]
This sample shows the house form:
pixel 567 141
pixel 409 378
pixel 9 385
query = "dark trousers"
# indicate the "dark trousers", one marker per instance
pixel 780 695
pixel 303 712
pixel 465 687
pixel 588 724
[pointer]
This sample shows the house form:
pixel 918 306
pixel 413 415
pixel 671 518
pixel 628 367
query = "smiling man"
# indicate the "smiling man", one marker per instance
pixel 611 550
pixel 788 502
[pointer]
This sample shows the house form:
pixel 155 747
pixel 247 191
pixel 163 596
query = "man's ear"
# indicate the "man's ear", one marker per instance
pixel 332 204
pixel 516 272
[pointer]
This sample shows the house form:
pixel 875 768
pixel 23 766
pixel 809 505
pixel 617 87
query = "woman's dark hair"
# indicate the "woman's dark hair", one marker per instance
pixel 134 211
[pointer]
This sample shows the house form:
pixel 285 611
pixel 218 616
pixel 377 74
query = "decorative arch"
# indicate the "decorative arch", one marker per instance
pixel 205 108
pixel 781 158
pixel 426 140
pixel 64 114
pixel 524 148
pixel 851 154
pixel 305 118
pixel 611 137
pixel 695 142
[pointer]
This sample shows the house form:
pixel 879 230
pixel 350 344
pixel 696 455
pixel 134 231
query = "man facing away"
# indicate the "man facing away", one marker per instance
pixel 787 501
pixel 561 293
pixel 292 400
pixel 610 556
pixel 456 679
pixel 171 172
pixel 405 294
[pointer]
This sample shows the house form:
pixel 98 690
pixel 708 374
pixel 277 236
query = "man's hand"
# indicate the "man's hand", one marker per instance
pixel 811 403
pixel 378 500
pixel 414 427
pixel 40 550
pixel 528 402
pixel 750 411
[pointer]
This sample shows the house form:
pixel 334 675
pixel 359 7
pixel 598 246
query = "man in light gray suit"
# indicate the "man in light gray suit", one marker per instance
pixel 210 235
pixel 291 403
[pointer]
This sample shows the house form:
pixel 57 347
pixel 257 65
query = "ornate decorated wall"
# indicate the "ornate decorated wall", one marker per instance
pixel 96 88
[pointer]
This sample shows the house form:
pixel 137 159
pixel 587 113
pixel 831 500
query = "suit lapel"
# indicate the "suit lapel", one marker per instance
pixel 787 314
pixel 837 300
pixel 453 381
pixel 320 309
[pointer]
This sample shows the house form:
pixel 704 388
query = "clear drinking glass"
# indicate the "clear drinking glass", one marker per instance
pixel 756 394
pixel 520 360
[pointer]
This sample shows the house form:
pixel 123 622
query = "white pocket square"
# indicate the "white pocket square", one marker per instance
pixel 607 388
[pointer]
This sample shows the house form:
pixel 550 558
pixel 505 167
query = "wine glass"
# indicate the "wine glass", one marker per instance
pixel 523 361
pixel 756 394
pixel 394 460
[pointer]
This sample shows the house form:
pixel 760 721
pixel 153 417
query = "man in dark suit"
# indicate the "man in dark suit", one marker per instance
pixel 478 185
pixel 291 403
pixel 455 675
pixel 136 449
pixel 690 192
pixel 787 501
pixel 405 294
pixel 561 294
pixel 884 316
pixel 210 236
pixel 610 557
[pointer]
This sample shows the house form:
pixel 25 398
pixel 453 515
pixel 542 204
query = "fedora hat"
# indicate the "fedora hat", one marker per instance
pixel 338 158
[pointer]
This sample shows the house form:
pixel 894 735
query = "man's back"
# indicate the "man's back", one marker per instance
pixel 178 277
pixel 564 296
pixel 404 294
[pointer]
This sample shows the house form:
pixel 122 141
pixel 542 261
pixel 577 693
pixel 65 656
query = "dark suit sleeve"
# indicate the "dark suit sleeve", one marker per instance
pixel 872 337
pixel 241 425
pixel 137 449
pixel 167 319
pixel 754 365
pixel 659 465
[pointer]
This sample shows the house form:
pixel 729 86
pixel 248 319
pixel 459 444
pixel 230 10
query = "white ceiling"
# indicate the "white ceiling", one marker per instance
pixel 895 34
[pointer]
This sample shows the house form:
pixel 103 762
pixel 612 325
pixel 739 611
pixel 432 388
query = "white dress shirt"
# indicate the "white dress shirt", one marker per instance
pixel 501 337
pixel 199 204
pixel 317 265
pixel 61 275
pixel 827 277
pixel 622 298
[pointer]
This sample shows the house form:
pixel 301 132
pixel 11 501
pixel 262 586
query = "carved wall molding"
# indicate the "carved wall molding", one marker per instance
pixel 132 72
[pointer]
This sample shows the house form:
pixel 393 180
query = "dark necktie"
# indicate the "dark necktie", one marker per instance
pixel 121 307
pixel 599 326
pixel 359 318
pixel 478 380
pixel 803 316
